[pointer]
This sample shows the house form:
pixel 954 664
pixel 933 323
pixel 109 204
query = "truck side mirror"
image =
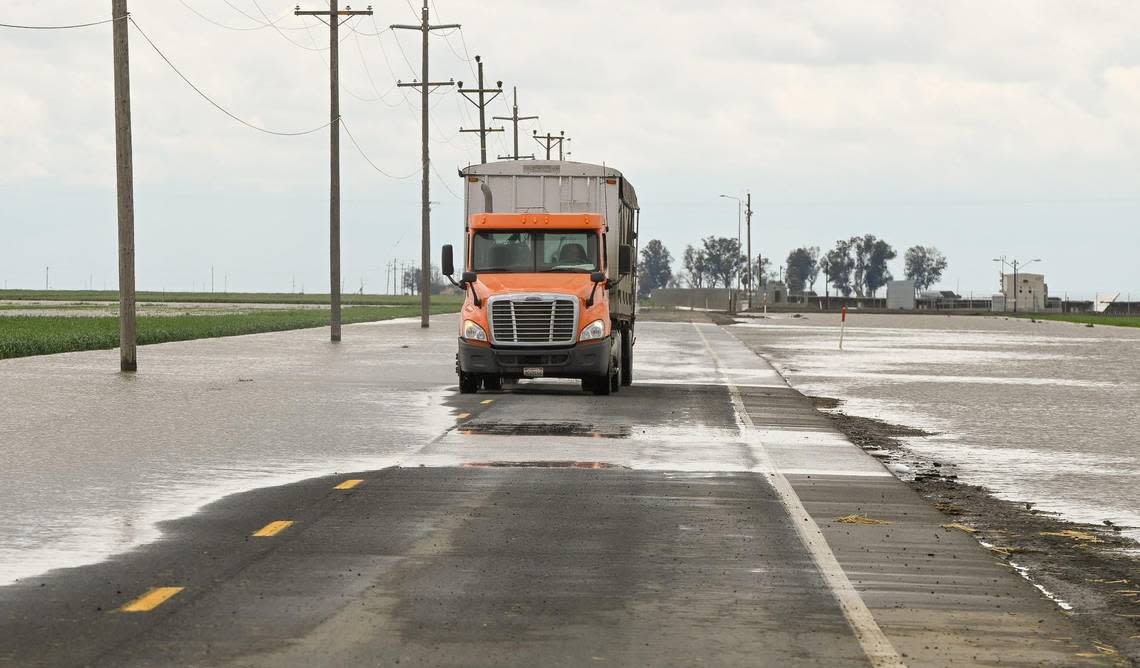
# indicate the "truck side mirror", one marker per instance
pixel 625 260
pixel 448 261
pixel 598 277
pixel 469 276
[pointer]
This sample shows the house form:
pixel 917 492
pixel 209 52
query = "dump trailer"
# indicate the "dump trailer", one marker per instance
pixel 549 273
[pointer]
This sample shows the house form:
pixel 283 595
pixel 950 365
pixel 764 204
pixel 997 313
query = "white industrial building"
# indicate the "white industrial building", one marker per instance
pixel 900 295
pixel 1028 293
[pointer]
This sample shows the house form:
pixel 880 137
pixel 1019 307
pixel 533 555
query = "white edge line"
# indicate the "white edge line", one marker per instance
pixel 874 642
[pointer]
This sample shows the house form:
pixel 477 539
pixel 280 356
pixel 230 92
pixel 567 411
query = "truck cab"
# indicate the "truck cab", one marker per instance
pixel 548 294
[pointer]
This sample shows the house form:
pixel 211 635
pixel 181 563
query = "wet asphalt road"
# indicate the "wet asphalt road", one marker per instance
pixel 688 520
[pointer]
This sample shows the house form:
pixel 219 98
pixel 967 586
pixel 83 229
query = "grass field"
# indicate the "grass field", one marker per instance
pixel 21 336
pixel 220 297
pixel 1089 318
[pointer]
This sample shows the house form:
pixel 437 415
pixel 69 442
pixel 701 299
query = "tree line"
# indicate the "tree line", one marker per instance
pixel 854 266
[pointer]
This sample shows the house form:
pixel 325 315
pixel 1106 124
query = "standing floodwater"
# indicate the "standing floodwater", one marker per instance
pixel 1046 412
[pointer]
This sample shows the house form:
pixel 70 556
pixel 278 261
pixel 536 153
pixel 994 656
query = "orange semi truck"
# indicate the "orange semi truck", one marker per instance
pixel 549 275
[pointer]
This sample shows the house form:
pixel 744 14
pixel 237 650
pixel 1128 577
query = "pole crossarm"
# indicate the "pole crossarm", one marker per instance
pixel 549 141
pixel 481 91
pixel 514 118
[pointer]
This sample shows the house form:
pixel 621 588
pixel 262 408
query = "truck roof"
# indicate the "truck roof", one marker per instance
pixel 514 221
pixel 551 168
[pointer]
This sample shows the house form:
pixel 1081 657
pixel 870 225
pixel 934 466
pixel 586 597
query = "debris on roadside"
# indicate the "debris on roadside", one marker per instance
pixel 960 527
pixel 860 519
pixel 1075 534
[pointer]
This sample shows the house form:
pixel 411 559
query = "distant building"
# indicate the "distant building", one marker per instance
pixel 1029 294
pixel 900 295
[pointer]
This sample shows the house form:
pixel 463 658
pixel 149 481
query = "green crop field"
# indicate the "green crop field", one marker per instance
pixel 21 336
pixel 220 297
pixel 1089 318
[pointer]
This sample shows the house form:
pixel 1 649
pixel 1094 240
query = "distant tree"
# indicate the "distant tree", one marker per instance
pixel 838 265
pixel 723 260
pixel 871 255
pixel 877 274
pixel 655 270
pixel 410 281
pixel 924 266
pixel 803 268
pixel 761 270
pixel 696 267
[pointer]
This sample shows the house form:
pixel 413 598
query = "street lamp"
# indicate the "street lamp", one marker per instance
pixel 739 205
pixel 1016 265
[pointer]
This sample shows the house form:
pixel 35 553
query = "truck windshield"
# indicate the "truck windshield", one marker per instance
pixel 529 252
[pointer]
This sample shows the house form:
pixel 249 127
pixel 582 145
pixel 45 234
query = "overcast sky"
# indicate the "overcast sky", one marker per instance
pixel 982 128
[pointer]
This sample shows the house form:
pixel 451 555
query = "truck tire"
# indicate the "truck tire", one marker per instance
pixel 627 355
pixel 468 383
pixel 615 379
pixel 493 383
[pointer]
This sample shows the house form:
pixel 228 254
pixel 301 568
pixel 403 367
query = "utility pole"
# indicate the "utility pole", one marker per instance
pixel 514 118
pixel 211 279
pixel 124 187
pixel 47 278
pixel 548 142
pixel 482 103
pixel 748 217
pixel 333 14
pixel 426 86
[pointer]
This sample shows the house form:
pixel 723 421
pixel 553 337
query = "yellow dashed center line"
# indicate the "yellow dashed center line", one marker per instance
pixel 462 416
pixel 348 484
pixel 487 401
pixel 151 600
pixel 273 528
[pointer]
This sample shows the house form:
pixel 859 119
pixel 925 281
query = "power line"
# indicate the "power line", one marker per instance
pixel 369 160
pixel 61 27
pixel 261 25
pixel 280 32
pixel 215 104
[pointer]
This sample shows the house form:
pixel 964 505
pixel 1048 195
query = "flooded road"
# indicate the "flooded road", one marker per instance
pixel 274 500
pixel 1042 412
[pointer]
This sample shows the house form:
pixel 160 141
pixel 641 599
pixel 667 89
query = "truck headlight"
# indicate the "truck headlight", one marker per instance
pixel 473 331
pixel 594 330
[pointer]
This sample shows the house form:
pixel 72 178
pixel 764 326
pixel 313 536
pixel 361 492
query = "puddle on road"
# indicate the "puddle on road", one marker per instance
pixel 544 465
pixel 546 429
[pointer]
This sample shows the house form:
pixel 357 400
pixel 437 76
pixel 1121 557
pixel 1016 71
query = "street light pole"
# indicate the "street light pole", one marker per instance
pixel 739 204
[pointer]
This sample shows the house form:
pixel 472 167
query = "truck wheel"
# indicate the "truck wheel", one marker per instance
pixel 616 366
pixel 627 356
pixel 494 383
pixel 599 385
pixel 468 383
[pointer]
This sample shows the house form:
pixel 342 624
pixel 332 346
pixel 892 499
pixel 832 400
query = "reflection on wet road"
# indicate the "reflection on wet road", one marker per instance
pixel 1042 412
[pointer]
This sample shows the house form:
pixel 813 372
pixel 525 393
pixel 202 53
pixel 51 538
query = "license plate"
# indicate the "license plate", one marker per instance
pixel 532 371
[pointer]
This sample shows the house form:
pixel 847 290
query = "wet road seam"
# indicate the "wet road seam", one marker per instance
pixel 151 600
pixel 878 648
pixel 273 528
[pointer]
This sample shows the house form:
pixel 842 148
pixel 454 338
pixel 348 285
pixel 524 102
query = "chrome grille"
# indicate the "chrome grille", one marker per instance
pixel 531 320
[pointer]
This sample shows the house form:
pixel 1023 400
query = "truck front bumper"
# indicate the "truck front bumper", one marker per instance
pixel 585 359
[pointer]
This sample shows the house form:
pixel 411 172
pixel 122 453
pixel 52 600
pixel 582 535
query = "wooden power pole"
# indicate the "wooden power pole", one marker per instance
pixel 549 141
pixel 334 14
pixel 748 266
pixel 482 103
pixel 426 86
pixel 514 118
pixel 124 188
